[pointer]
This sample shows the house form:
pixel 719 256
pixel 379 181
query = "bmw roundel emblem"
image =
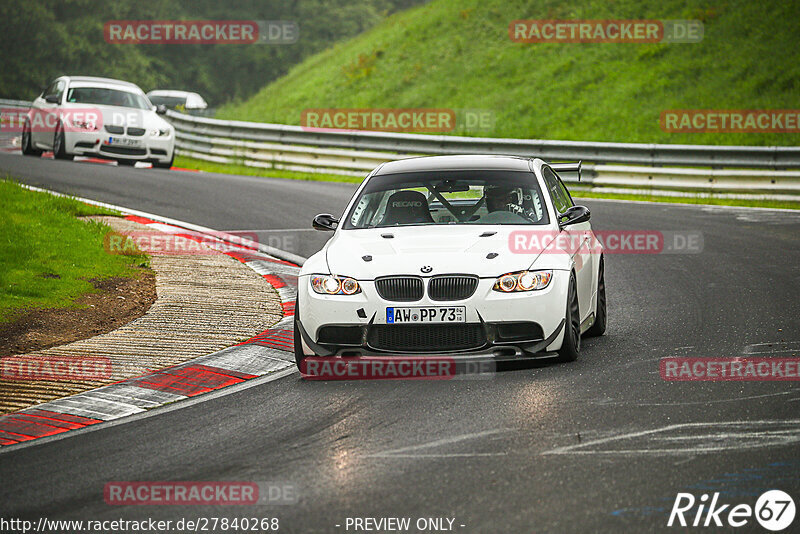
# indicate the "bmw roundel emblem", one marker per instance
pixel 426 268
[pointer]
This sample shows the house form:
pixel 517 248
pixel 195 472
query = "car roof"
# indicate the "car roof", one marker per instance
pixel 101 80
pixel 170 92
pixel 455 163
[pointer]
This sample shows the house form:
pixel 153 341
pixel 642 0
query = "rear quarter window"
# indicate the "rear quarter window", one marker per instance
pixel 558 191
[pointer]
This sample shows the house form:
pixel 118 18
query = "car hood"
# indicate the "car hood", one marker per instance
pixel 118 116
pixel 445 249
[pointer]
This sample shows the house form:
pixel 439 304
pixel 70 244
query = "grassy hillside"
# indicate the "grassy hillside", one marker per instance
pixel 42 39
pixel 450 54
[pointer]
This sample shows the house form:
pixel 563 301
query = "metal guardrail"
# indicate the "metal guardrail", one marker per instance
pixel 14 103
pixel 648 166
pixel 629 153
pixel 762 172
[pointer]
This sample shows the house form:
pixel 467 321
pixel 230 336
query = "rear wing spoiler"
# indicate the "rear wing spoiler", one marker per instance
pixel 568 167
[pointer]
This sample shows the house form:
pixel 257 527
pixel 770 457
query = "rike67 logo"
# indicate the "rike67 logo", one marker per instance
pixel 774 510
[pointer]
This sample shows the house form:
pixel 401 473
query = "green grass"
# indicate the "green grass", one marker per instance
pixel 191 163
pixel 702 200
pixel 458 55
pixel 244 170
pixel 47 255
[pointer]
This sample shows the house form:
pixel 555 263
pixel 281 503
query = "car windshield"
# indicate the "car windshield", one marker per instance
pixel 169 101
pixel 449 197
pixel 107 97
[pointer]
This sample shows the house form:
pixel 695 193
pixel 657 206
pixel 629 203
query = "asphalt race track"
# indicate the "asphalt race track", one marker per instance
pixel 599 445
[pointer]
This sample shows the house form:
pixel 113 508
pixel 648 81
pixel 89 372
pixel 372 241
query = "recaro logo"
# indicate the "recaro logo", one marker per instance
pixel 407 204
pixel 774 510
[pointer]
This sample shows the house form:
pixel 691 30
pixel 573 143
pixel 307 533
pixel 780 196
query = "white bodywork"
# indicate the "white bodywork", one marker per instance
pixel 450 249
pixel 192 100
pixel 156 144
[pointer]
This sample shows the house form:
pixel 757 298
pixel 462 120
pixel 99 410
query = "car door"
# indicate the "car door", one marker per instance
pixel 37 115
pixel 47 115
pixel 580 251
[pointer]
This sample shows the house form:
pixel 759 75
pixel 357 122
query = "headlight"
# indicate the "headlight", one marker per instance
pixel 84 125
pixel 523 281
pixel 166 132
pixel 326 284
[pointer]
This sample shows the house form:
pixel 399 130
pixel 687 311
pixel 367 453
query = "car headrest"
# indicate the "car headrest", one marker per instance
pixel 406 207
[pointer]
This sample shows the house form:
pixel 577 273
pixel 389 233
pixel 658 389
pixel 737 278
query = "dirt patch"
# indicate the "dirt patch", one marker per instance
pixel 117 302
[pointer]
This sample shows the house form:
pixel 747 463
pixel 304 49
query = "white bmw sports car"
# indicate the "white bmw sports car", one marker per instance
pixel 456 255
pixel 98 117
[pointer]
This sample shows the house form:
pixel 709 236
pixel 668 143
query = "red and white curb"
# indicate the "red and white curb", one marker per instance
pixel 266 353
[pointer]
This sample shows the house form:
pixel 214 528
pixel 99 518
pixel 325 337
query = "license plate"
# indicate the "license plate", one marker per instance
pixel 122 141
pixel 455 314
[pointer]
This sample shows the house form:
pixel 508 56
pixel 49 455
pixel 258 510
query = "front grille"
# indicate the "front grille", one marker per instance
pixel 426 338
pixel 450 287
pixel 136 132
pixel 400 288
pixel 114 129
pixel 127 151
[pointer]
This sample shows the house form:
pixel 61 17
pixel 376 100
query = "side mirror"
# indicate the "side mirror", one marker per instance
pixel 161 109
pixel 574 215
pixel 52 99
pixel 324 221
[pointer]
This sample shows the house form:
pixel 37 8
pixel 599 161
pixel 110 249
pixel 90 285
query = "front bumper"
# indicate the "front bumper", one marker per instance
pixel 498 350
pixel 91 144
pixel 503 325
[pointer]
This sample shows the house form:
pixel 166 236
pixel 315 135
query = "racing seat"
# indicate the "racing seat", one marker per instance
pixel 406 207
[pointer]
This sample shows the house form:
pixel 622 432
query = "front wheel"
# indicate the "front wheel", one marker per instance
pixel 165 164
pixel 27 142
pixel 599 326
pixel 59 144
pixel 571 346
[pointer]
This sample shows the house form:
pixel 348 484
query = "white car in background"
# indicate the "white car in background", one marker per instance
pixel 98 117
pixel 182 101
pixel 422 263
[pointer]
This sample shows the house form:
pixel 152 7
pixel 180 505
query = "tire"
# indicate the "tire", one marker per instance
pixel 571 346
pixel 59 145
pixel 27 142
pixel 126 162
pixel 167 165
pixel 599 326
